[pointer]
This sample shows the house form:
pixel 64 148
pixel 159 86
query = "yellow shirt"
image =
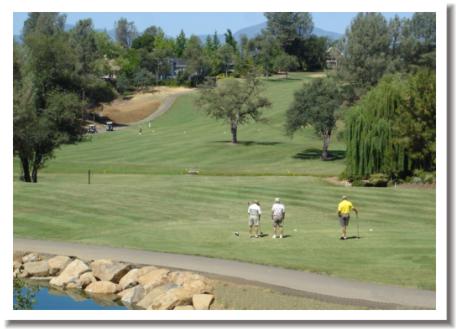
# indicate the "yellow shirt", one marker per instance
pixel 345 207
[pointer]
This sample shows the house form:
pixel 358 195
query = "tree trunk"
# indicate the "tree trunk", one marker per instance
pixel 324 153
pixel 25 169
pixel 234 132
pixel 36 166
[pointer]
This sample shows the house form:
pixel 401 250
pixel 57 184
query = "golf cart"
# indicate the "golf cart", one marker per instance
pixel 109 126
pixel 92 129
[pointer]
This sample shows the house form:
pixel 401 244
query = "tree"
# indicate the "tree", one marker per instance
pixel 230 40
pixel 366 51
pixel 226 55
pixel 233 100
pixel 48 106
pixel 285 63
pixel 288 26
pixel 180 44
pixel 265 48
pixel 125 32
pixel 392 129
pixel 198 63
pixel 312 52
pixel 315 104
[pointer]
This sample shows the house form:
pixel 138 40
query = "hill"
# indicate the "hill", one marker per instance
pixel 254 30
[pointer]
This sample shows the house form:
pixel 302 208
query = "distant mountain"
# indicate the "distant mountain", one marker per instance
pixel 254 30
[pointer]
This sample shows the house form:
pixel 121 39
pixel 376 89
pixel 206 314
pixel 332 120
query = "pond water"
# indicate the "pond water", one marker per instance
pixel 48 298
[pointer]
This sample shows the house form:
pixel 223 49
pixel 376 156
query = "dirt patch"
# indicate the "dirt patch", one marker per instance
pixel 336 181
pixel 417 186
pixel 138 106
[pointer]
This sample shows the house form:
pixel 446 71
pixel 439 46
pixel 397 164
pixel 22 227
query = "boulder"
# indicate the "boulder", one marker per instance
pixel 202 301
pixel 38 268
pixel 76 284
pixel 132 295
pixel 107 270
pixel 184 308
pixel 17 255
pixel 87 278
pixel 70 274
pixel 57 264
pixel 16 273
pixel 194 282
pixel 171 298
pixel 102 287
pixel 32 257
pixel 23 274
pixel 154 279
pixel 130 279
pixel 150 296
pixel 146 269
pixel 17 264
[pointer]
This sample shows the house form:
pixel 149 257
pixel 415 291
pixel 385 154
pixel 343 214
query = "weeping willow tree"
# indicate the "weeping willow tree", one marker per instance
pixel 392 129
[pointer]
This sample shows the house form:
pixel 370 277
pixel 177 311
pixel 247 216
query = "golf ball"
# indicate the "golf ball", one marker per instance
pixel 370 230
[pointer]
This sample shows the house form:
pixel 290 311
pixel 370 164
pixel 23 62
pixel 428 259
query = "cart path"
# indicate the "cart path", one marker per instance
pixel 164 106
pixel 310 284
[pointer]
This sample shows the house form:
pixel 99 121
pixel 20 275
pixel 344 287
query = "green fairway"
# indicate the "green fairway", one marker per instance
pixel 198 215
pixel 185 138
pixel 140 197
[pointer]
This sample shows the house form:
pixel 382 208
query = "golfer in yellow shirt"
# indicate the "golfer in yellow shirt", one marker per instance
pixel 343 211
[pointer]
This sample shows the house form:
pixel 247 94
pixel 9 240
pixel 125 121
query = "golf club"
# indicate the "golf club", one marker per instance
pixel 357 223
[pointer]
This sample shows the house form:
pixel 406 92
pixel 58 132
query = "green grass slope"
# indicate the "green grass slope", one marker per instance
pixel 185 138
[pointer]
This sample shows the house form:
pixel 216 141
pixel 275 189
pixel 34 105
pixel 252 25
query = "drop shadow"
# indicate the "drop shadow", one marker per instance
pixel 312 154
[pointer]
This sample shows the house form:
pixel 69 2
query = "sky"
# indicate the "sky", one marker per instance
pixel 199 23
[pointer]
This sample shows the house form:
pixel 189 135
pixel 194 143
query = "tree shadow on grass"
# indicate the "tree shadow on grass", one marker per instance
pixel 312 153
pixel 282 79
pixel 249 143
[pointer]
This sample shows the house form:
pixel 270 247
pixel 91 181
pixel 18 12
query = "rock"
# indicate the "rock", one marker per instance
pixel 32 257
pixel 146 269
pixel 70 274
pixel 58 264
pixel 107 270
pixel 194 282
pixel 202 301
pixel 154 279
pixel 17 255
pixel 184 308
pixel 17 265
pixel 37 268
pixel 132 295
pixel 130 279
pixel 23 274
pixel 76 284
pixel 171 298
pixel 149 297
pixel 102 287
pixel 87 278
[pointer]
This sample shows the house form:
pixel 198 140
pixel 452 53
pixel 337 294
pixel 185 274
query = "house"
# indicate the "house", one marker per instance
pixel 333 57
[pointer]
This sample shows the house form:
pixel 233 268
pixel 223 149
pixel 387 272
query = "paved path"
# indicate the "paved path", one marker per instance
pixel 164 106
pixel 311 284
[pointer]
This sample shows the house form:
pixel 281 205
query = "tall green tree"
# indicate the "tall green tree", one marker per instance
pixel 234 101
pixel 198 63
pixel 288 27
pixel 315 104
pixel 230 40
pixel 126 32
pixel 181 41
pixel 48 106
pixel 392 129
pixel 366 52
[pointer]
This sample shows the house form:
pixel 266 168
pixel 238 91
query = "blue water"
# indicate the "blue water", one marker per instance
pixel 46 301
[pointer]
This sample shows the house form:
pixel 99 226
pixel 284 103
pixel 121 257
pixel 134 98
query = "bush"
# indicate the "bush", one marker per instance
pixel 379 180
